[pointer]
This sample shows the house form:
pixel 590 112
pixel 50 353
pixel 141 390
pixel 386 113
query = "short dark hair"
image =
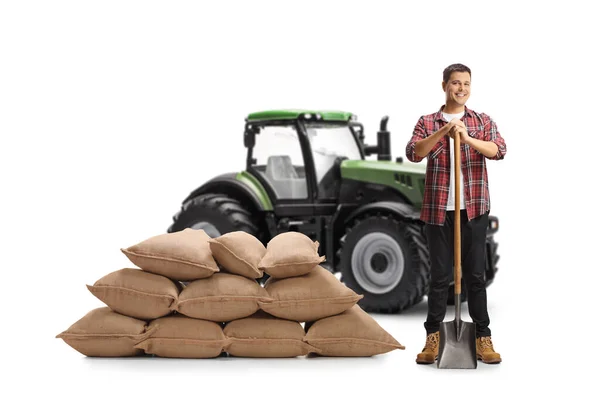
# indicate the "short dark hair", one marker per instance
pixel 455 68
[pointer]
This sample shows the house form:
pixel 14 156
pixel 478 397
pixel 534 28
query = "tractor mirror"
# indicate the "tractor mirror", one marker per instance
pixel 249 136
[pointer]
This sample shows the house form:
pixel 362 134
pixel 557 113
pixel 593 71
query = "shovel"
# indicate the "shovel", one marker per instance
pixel 457 338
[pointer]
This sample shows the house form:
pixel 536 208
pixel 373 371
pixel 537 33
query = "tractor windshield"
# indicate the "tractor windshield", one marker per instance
pixel 329 142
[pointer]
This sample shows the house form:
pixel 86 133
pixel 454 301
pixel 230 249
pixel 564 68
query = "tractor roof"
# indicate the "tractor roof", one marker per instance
pixel 315 115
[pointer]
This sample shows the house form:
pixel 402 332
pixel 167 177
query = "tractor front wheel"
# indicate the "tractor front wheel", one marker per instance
pixel 385 260
pixel 216 214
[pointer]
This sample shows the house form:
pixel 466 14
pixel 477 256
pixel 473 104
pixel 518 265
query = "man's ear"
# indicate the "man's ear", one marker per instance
pixel 444 86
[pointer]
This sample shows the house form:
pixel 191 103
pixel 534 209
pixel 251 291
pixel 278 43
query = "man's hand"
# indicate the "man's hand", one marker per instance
pixel 457 126
pixel 457 122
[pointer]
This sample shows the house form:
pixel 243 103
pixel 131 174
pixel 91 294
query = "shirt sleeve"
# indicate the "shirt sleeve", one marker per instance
pixel 491 134
pixel 418 134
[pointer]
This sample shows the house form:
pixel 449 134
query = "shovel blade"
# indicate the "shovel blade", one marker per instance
pixel 457 345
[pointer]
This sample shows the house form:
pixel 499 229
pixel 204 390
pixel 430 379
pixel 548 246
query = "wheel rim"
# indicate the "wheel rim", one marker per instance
pixel 377 263
pixel 209 228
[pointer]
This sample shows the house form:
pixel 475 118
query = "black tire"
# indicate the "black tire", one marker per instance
pixel 411 285
pixel 223 212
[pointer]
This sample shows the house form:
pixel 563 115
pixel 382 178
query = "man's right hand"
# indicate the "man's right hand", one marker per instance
pixel 451 130
pixel 454 126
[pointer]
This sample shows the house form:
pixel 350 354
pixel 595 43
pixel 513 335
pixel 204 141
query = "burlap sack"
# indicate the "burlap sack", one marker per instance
pixel 137 293
pixel 104 333
pixel 238 253
pixel 222 297
pixel 178 336
pixel 354 333
pixel 183 255
pixel 262 335
pixel 290 254
pixel 309 297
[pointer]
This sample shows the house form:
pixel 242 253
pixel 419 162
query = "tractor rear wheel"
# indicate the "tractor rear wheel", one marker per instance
pixel 216 214
pixel 385 260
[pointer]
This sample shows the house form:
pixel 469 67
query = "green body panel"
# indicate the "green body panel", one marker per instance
pixel 408 179
pixel 257 188
pixel 295 114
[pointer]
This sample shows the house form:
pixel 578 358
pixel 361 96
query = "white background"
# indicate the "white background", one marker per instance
pixel 112 112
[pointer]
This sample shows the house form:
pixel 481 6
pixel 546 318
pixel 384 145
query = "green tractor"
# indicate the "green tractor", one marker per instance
pixel 307 171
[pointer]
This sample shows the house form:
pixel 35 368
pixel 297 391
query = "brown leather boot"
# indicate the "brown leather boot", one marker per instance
pixel 430 351
pixel 485 351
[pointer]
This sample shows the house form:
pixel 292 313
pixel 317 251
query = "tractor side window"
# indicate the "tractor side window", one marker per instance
pixel 331 144
pixel 279 160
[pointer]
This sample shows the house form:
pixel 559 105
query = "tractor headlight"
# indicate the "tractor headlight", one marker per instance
pixel 307 116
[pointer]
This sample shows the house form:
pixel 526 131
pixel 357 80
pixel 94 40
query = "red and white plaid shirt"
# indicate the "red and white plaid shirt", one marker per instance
pixel 437 179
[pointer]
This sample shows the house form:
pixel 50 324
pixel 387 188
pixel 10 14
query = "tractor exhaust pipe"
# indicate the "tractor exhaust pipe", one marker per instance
pixel 382 149
pixel 383 141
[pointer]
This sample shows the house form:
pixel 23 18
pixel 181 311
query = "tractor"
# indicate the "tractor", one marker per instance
pixel 307 171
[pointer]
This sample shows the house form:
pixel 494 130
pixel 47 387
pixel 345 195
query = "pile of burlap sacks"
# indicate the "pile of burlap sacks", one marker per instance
pixel 197 297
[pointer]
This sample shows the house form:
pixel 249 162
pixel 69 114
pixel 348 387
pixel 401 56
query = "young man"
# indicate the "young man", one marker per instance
pixel 480 139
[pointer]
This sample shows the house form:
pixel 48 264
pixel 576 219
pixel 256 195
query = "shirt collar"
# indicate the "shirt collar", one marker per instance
pixel 440 117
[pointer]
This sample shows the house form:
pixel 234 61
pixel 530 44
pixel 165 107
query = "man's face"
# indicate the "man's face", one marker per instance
pixel 458 88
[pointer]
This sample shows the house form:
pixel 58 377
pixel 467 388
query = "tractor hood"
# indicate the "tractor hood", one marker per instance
pixel 407 178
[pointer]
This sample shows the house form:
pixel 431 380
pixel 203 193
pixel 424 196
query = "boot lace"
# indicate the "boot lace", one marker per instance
pixel 431 342
pixel 486 343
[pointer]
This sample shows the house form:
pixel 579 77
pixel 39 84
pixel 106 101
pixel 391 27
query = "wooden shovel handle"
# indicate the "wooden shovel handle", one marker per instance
pixel 457 261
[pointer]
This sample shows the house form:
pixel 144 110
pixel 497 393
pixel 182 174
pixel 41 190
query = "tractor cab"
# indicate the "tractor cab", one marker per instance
pixel 296 155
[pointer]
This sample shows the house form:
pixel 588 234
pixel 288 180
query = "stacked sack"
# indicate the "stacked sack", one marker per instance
pixel 197 297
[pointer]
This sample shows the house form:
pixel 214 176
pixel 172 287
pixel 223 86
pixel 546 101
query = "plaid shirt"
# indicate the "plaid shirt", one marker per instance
pixel 437 179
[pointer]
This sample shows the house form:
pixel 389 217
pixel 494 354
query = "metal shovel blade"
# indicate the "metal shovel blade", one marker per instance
pixel 457 345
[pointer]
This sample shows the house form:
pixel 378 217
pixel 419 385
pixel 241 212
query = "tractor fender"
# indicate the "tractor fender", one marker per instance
pixel 402 210
pixel 238 186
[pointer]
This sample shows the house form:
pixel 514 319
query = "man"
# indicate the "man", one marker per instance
pixel 480 139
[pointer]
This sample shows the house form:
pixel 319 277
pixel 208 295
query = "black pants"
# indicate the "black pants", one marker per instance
pixel 441 251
